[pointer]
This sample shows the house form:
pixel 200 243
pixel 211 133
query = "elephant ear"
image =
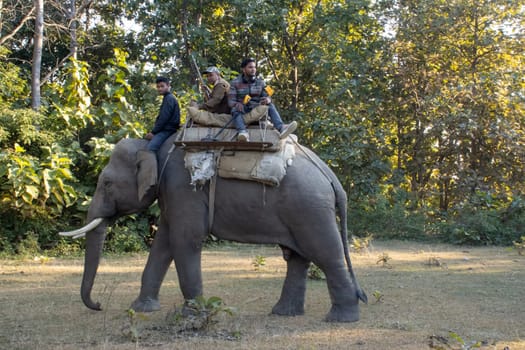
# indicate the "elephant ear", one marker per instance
pixel 146 172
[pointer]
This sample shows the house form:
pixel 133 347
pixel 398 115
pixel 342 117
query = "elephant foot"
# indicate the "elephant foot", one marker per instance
pixel 339 313
pixel 293 308
pixel 145 305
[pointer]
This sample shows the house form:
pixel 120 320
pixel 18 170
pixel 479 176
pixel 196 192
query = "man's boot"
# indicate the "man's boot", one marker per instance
pixel 147 172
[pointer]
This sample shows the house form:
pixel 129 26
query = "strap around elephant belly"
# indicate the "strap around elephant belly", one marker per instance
pixel 213 187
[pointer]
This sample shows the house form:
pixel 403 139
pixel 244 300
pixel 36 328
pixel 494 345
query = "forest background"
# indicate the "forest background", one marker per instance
pixel 418 106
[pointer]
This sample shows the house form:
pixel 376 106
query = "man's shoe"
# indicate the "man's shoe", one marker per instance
pixel 287 129
pixel 243 136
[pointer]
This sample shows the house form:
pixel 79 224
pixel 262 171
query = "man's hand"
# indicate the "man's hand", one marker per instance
pixel 205 90
pixel 149 136
pixel 266 100
pixel 238 107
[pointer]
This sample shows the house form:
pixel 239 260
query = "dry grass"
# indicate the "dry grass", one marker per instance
pixel 427 290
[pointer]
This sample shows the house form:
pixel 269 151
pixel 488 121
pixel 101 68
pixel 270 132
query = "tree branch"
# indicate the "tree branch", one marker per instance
pixel 55 68
pixel 26 18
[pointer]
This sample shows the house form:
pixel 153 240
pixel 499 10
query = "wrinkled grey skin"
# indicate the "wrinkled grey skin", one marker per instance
pixel 299 214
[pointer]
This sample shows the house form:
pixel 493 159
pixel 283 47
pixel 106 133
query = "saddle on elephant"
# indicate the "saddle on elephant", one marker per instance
pixel 210 142
pixel 206 130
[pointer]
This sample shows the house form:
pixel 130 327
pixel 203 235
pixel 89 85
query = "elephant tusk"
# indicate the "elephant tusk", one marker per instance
pixel 81 232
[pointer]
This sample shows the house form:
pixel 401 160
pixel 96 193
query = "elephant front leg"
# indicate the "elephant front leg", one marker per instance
pixel 159 260
pixel 188 264
pixel 291 302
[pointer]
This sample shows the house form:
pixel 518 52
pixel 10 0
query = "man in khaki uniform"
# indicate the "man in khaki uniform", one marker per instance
pixel 216 100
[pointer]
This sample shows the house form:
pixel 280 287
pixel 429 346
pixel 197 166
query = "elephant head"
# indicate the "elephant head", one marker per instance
pixel 116 195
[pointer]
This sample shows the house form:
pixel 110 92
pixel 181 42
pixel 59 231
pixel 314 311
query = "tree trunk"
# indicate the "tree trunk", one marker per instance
pixel 1 12
pixel 73 28
pixel 38 40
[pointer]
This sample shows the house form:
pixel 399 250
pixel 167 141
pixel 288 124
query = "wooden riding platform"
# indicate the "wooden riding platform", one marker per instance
pixel 199 138
pixel 205 145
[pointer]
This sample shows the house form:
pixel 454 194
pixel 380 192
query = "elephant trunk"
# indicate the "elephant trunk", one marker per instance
pixel 94 244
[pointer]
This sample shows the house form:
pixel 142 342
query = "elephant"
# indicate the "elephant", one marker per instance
pixel 300 215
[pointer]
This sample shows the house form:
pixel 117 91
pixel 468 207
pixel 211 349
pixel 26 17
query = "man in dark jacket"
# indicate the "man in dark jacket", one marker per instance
pixel 168 120
pixel 246 92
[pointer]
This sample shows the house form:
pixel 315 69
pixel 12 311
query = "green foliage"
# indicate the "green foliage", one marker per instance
pixel 133 329
pixel 258 262
pixel 30 186
pixel 465 345
pixel 100 153
pixel 12 86
pixel 41 154
pixel 382 218
pixel 24 127
pixel 487 222
pixel 520 245
pixel 384 260
pixel 15 229
pixel 71 101
pixel 315 273
pixel 359 245
pixel 378 296
pixel 113 109
pixel 134 333
pixel 128 235
pixel 28 247
pixel 199 313
pixel 66 248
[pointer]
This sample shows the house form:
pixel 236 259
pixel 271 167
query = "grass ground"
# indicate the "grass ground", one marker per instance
pixel 421 294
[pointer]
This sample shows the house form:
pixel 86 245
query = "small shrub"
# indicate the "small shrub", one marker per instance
pixel 198 314
pixel 520 246
pixel 385 218
pixel 258 262
pixel 63 248
pixel 477 227
pixel 384 259
pixel 361 244
pixel 123 240
pixel 453 342
pixel 133 329
pixel 315 273
pixel 29 246
pixel 378 296
pixel 435 261
pixel 128 235
pixel 6 248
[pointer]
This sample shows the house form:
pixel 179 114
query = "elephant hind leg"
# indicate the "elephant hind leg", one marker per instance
pixel 345 302
pixel 291 302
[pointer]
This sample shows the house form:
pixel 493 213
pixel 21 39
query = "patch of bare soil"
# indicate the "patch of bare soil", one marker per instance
pixel 421 296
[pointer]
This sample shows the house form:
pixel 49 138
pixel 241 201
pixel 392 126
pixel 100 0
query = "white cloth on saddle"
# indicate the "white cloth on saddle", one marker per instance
pixel 265 167
pixel 201 165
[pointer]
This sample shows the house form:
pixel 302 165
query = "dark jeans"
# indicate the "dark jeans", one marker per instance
pixel 158 139
pixel 275 118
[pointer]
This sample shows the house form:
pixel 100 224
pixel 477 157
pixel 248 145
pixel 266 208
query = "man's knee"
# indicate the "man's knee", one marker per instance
pixel 157 141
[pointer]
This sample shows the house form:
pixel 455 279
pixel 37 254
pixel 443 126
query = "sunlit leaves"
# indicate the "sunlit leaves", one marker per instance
pixel 72 100
pixel 452 118
pixel 29 186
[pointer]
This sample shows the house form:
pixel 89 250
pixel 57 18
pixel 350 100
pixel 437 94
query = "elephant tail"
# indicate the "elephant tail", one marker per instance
pixel 341 204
